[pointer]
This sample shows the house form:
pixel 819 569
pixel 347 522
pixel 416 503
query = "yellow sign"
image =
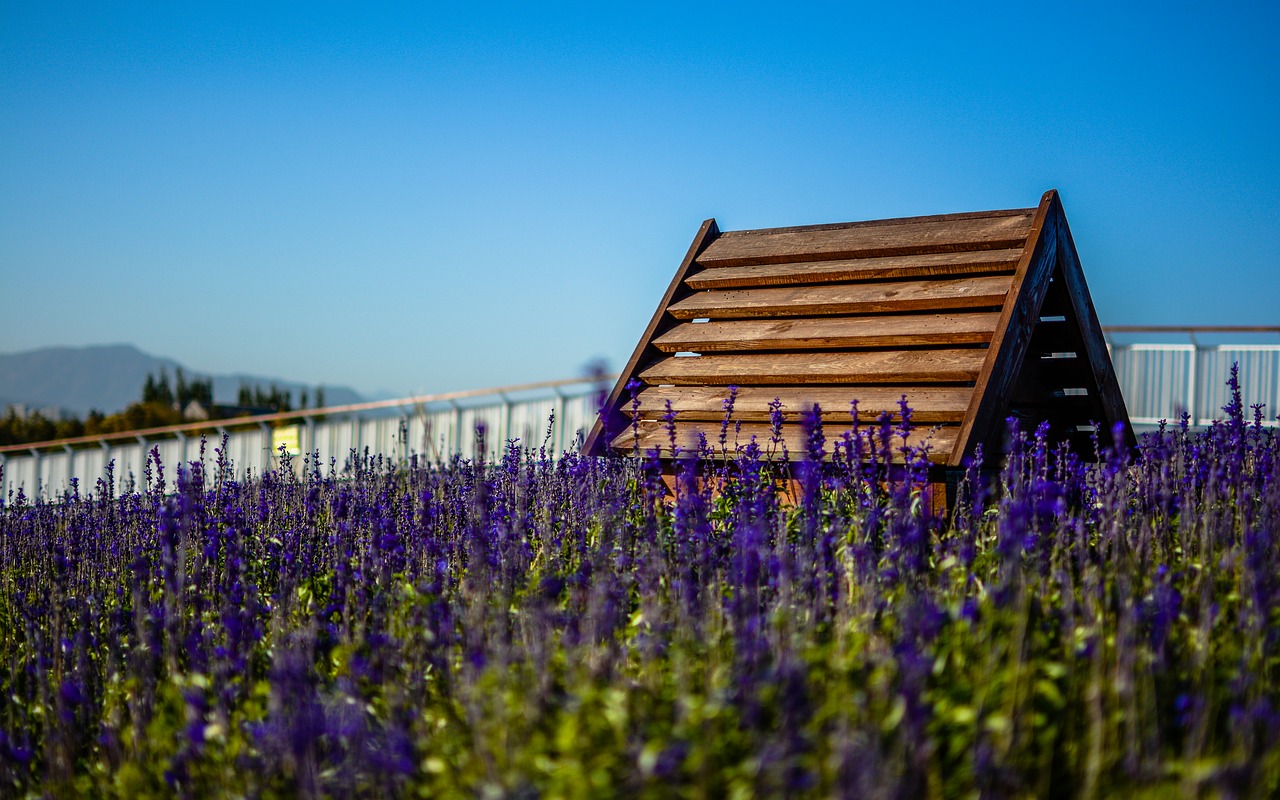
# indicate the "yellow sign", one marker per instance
pixel 289 438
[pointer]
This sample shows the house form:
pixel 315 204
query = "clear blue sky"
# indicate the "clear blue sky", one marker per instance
pixel 430 199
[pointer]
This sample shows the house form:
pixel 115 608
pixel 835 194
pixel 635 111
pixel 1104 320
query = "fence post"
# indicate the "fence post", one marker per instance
pixel 506 423
pixel 106 459
pixel 309 425
pixel 142 444
pixel 222 433
pixel 35 455
pixel 71 463
pixel 1193 365
pixel 266 446
pixel 557 435
pixel 355 436
pixel 402 437
pixel 456 444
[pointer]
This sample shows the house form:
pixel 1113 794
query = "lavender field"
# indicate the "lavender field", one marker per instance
pixel 562 627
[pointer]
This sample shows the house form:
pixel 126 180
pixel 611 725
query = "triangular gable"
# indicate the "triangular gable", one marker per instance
pixel 1048 360
pixel 974 317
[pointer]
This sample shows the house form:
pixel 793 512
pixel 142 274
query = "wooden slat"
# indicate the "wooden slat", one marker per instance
pixel 876 366
pixel 655 434
pixel 854 298
pixel 856 269
pixel 999 230
pixel 751 404
pixel 793 334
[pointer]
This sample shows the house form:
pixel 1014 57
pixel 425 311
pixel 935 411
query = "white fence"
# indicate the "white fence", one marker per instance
pixel 433 427
pixel 1162 381
pixel 1158 381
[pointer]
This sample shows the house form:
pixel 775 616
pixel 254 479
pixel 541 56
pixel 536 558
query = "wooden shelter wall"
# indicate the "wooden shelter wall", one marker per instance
pixel 970 316
pixel 829 315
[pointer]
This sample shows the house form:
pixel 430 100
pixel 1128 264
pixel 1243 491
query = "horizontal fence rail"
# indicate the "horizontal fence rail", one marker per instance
pixel 1160 382
pixel 435 427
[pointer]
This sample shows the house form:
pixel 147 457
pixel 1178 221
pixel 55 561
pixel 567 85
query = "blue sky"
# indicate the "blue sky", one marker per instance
pixel 424 199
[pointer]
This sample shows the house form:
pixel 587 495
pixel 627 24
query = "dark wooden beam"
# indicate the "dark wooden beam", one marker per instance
pixel 597 442
pixel 1018 319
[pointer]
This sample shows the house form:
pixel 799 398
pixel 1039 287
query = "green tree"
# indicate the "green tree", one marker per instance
pixel 164 394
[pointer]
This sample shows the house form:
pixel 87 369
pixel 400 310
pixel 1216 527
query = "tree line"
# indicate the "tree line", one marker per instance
pixel 162 402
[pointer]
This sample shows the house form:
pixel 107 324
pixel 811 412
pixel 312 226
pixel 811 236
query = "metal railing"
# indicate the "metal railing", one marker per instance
pixel 434 426
pixel 1162 381
pixel 1159 381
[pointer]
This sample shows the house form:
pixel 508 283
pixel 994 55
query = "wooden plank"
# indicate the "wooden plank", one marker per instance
pixel 1018 319
pixel 848 298
pixel 612 417
pixel 751 404
pixel 874 366
pixel 793 334
pixel 997 231
pixel 656 435
pixel 856 269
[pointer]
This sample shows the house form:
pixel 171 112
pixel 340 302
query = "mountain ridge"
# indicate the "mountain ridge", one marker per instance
pixel 109 377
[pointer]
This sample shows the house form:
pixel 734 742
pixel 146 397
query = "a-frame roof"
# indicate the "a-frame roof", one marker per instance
pixel 974 317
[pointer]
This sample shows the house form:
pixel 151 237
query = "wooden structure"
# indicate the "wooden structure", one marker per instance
pixel 974 317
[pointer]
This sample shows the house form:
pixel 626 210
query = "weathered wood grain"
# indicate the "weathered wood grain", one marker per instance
pixel 751 404
pixel 876 366
pixel 996 231
pixel 656 435
pixel 855 298
pixel 852 332
pixel 856 269
pixel 944 308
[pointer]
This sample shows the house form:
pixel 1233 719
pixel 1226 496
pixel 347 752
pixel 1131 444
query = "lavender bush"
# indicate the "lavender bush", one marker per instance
pixel 564 628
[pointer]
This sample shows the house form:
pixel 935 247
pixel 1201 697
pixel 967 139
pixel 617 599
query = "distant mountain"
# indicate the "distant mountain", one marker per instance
pixel 110 377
